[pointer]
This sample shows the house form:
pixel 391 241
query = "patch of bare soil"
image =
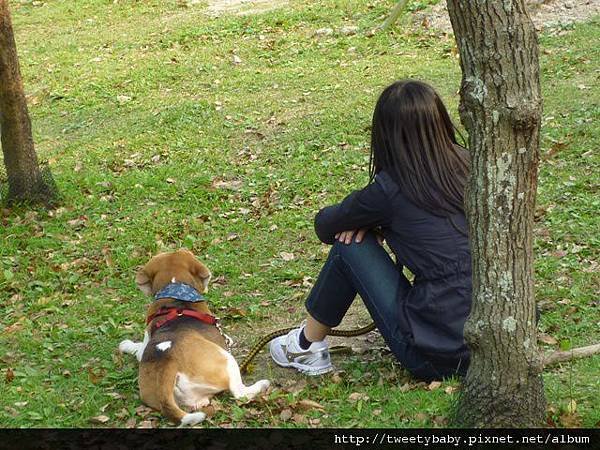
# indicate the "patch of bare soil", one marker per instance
pixel 246 334
pixel 546 14
pixel 243 7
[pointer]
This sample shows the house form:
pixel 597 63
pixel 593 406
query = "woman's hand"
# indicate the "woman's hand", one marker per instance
pixel 345 237
pixel 358 235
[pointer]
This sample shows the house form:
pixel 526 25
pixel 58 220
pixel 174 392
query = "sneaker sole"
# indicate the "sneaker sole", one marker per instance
pixel 307 370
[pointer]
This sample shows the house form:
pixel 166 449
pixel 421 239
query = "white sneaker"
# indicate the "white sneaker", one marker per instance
pixel 286 352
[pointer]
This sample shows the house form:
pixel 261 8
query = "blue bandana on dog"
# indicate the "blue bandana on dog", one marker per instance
pixel 179 291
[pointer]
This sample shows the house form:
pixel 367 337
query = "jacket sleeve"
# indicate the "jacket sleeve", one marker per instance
pixel 367 208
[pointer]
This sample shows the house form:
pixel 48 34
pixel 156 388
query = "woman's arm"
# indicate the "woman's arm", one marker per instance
pixel 367 208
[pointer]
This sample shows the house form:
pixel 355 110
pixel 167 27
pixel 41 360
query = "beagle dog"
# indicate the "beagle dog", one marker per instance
pixel 184 358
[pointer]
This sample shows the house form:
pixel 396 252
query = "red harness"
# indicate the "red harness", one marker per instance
pixel 172 313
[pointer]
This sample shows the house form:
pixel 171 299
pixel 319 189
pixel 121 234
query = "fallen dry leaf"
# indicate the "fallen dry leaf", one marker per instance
pixel 324 32
pixel 79 222
pixel 232 185
pixel 286 256
pixel 285 415
pixel 10 375
pixel 107 257
pixel 12 411
pixel 130 423
pixel 209 410
pixel 356 396
pixel 421 417
pixel 299 419
pixel 309 404
pixel 434 385
pixel 254 412
pixel 550 421
pixel 114 395
pixel 122 414
pixel 336 378
pixel 99 419
pixel 234 313
pixel 547 339
pixel 450 390
pixel 570 420
pixel 94 377
pixel 145 424
pixel 122 99
pixel 405 387
pixel 216 404
pixel 143 410
pixel 296 386
pixel 440 421
pixel 15 326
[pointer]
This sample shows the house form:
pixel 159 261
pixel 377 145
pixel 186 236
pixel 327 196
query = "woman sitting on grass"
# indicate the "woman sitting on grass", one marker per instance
pixel 415 201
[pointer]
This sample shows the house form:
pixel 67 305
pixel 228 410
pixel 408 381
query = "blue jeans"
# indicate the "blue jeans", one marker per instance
pixel 367 269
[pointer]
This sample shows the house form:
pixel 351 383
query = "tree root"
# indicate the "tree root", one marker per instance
pixel 556 357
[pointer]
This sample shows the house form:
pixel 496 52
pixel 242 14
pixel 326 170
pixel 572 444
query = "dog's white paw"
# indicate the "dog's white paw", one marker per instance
pixel 128 346
pixel 192 419
pixel 263 385
pixel 249 392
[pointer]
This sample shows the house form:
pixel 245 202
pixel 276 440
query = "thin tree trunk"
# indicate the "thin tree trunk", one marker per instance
pixel 501 109
pixel 25 179
pixel 396 12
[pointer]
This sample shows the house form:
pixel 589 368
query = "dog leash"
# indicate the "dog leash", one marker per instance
pixel 269 337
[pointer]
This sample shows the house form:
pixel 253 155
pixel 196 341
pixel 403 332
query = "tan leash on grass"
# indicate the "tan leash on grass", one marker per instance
pixel 269 337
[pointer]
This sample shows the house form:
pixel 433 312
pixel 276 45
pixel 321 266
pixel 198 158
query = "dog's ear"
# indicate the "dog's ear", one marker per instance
pixel 201 273
pixel 143 281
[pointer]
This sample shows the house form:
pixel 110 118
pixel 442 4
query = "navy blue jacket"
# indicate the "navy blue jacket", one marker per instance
pixel 435 310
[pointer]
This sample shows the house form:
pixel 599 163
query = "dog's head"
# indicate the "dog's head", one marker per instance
pixel 181 265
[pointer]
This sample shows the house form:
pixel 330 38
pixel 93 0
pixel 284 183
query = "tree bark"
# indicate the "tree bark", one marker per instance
pixel 500 106
pixel 25 181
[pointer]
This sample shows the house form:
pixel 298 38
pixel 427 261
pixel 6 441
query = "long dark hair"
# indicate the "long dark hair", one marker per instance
pixel 413 139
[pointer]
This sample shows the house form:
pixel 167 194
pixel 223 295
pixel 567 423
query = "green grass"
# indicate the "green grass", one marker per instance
pixel 140 110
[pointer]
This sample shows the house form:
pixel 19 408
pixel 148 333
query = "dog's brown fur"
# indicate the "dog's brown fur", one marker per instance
pixel 197 350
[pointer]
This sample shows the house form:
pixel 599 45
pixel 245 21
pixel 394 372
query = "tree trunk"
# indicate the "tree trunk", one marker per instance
pixel 25 181
pixel 500 106
pixel 396 12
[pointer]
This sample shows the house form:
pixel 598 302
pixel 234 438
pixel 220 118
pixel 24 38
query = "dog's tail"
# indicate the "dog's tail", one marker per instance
pixel 168 405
